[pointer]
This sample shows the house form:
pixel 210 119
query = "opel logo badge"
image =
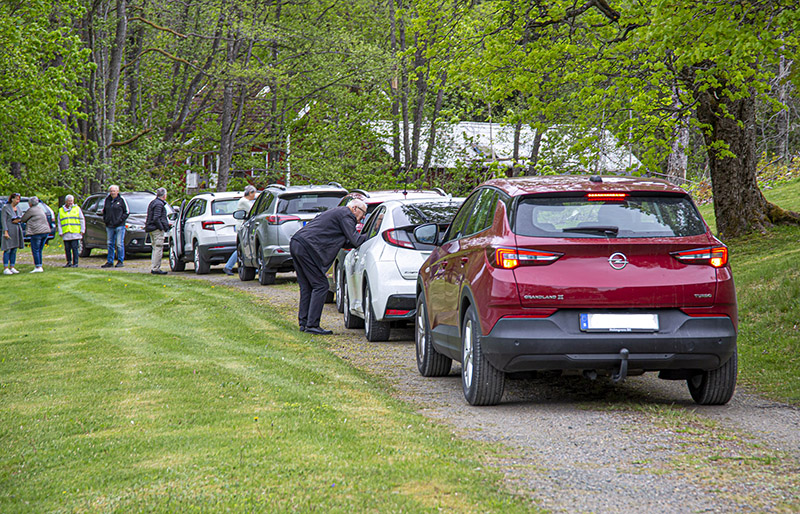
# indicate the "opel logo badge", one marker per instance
pixel 618 260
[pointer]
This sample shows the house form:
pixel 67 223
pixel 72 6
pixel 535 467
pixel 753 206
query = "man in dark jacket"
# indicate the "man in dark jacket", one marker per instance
pixel 313 248
pixel 157 225
pixel 115 212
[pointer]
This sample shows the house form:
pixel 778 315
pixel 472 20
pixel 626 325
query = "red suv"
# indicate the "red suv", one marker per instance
pixel 604 275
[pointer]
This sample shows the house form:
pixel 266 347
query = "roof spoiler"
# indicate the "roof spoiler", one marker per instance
pixel 361 192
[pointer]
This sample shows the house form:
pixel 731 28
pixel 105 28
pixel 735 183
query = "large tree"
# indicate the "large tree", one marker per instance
pixel 640 67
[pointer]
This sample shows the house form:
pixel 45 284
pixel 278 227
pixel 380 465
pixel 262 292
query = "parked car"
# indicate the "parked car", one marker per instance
pixel 600 275
pixel 373 199
pixel 23 206
pixel 136 239
pixel 380 276
pixel 203 231
pixel 280 211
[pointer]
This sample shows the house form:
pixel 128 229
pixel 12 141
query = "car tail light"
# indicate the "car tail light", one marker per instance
pixel 397 312
pixel 716 256
pixel 606 197
pixel 209 225
pixel 397 238
pixel 277 219
pixel 510 258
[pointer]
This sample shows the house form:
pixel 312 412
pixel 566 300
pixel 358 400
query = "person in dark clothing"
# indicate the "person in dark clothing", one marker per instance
pixel 313 249
pixel 115 212
pixel 157 225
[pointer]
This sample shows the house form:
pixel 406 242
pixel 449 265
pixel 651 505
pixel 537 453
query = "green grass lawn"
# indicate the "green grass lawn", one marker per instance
pixel 129 392
pixel 766 269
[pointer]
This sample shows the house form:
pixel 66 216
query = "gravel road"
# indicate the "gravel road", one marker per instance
pixel 574 445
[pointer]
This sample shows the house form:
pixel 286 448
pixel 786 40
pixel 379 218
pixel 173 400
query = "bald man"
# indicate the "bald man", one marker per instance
pixel 313 249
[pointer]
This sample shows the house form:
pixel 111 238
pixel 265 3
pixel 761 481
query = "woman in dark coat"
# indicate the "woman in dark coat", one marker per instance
pixel 12 234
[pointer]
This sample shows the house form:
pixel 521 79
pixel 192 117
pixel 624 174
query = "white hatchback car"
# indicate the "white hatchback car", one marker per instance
pixel 380 275
pixel 204 231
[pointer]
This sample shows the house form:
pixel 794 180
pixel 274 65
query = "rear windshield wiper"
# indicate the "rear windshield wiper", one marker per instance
pixel 607 231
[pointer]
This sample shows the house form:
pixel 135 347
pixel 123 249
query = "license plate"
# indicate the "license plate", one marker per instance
pixel 619 322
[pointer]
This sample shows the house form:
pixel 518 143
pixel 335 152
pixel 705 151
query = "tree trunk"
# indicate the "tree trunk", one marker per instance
pixel 537 143
pixel 678 159
pixel 432 136
pixel 515 156
pixel 112 86
pixel 782 121
pixel 738 203
pixel 395 87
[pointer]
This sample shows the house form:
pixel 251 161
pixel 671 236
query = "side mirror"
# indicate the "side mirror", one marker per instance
pixel 173 216
pixel 427 234
pixel 240 214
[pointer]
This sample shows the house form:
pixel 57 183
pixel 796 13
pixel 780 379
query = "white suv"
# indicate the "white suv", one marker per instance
pixel 204 231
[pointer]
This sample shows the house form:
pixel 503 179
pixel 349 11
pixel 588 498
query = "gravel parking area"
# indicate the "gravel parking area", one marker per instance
pixel 576 445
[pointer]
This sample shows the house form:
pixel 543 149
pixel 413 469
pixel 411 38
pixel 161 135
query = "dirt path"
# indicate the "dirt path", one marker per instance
pixel 581 446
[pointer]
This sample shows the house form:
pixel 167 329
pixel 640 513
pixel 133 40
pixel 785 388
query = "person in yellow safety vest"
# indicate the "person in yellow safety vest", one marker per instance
pixel 71 226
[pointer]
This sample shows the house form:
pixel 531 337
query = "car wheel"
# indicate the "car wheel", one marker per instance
pixel 483 384
pixel 715 387
pixel 429 362
pixel 338 278
pixel 375 330
pixel 175 264
pixel 350 321
pixel 265 277
pixel 83 250
pixel 201 266
pixel 245 272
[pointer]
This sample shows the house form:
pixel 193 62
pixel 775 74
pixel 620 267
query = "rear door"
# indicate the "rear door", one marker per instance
pixel 613 254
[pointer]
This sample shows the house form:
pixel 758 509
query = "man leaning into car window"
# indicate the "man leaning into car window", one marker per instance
pixel 313 249
pixel 115 212
pixel 157 225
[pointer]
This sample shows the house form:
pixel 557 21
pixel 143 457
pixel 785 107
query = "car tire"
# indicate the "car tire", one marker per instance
pixel 83 250
pixel 715 387
pixel 201 266
pixel 376 330
pixel 483 384
pixel 265 277
pixel 175 264
pixel 246 273
pixel 350 321
pixel 338 278
pixel 430 363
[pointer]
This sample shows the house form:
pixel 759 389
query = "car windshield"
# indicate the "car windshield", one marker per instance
pixel 636 216
pixel 419 213
pixel 222 207
pixel 308 202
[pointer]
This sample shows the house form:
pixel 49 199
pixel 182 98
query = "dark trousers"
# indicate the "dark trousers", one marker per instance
pixel 71 250
pixel 313 285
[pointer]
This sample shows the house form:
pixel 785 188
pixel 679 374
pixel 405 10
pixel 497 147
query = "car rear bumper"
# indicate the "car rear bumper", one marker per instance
pixel 217 253
pixel 278 258
pixel 557 343
pixel 400 307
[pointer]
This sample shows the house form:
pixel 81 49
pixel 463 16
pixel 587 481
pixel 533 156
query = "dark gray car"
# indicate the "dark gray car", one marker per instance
pixel 263 239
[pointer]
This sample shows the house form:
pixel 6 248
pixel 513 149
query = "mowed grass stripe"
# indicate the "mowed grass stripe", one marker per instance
pixel 117 393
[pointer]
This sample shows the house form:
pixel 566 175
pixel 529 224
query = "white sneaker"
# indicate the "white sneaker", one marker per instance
pixel 8 271
pixel 37 270
pixel 14 270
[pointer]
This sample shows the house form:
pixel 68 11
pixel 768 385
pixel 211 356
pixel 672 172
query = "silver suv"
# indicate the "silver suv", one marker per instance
pixel 263 239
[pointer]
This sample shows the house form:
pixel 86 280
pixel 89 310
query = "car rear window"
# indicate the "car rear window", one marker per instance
pixel 308 202
pixel 419 213
pixel 633 217
pixel 222 207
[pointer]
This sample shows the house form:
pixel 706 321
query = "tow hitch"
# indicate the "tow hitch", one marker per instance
pixel 619 376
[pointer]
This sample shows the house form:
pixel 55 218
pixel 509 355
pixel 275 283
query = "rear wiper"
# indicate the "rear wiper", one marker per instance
pixel 607 231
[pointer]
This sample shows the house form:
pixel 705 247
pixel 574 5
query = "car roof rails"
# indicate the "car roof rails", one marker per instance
pixel 361 192
pixel 335 184
pixel 439 190
pixel 277 186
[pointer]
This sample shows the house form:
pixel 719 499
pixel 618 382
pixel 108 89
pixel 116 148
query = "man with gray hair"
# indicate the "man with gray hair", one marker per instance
pixel 313 249
pixel 244 204
pixel 71 226
pixel 115 213
pixel 156 225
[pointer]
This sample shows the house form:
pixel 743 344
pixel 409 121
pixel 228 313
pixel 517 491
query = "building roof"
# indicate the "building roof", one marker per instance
pixel 481 142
